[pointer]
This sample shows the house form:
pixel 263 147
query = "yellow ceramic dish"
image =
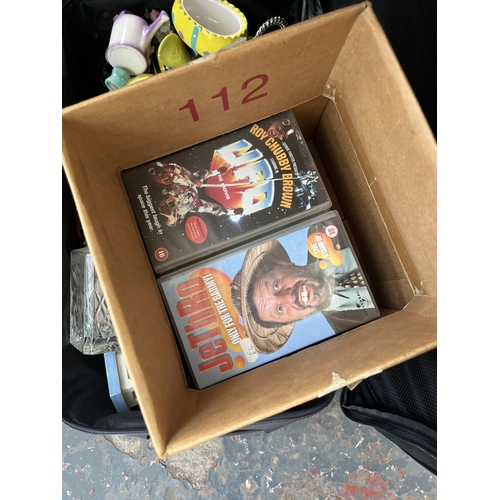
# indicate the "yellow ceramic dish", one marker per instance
pixel 208 25
pixel 139 78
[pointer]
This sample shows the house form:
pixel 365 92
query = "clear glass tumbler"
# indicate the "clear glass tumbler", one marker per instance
pixel 91 329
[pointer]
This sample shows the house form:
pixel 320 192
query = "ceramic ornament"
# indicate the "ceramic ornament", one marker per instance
pixel 208 25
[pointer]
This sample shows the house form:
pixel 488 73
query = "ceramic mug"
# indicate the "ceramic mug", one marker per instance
pixel 208 25
pixel 130 41
pixel 118 79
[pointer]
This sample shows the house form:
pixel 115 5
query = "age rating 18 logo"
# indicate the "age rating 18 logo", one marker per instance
pixel 161 254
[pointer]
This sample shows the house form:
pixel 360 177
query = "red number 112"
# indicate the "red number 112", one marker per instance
pixel 250 96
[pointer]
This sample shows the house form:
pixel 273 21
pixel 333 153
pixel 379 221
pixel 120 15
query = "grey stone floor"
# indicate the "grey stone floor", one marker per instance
pixel 323 457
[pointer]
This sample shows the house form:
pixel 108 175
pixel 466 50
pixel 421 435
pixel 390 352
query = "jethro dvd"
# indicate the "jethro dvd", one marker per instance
pixel 267 299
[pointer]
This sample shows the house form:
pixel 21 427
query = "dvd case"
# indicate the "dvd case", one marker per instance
pixel 267 299
pixel 213 196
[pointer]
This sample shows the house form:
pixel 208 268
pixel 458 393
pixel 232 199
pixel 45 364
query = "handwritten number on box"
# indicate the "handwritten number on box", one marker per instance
pixel 250 97
pixel 225 99
pixel 192 107
pixel 223 94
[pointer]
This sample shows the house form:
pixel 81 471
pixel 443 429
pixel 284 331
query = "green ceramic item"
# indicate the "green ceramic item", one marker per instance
pixel 172 52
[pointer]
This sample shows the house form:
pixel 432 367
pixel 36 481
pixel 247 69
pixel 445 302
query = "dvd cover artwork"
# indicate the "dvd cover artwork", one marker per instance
pixel 198 201
pixel 279 295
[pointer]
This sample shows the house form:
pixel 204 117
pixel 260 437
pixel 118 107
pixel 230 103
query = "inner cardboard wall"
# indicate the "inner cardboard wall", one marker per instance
pixel 132 294
pixel 337 160
pixel 353 188
pixel 396 149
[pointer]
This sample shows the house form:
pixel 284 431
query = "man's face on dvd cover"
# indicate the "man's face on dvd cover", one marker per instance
pixel 163 175
pixel 276 131
pixel 288 293
pixel 279 130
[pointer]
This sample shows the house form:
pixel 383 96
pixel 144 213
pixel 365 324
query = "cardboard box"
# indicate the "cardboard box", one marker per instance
pixel 343 81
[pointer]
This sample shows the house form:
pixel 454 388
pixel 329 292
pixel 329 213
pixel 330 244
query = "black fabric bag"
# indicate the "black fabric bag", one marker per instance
pixel 394 402
pixel 401 403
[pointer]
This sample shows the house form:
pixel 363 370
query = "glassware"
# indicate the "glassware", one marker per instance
pixel 91 329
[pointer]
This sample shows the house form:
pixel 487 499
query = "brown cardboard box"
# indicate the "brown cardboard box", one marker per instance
pixel 354 104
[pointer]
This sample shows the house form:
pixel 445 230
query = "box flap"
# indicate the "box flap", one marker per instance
pixel 394 144
pixel 374 242
pixel 214 94
pixel 132 296
pixel 326 367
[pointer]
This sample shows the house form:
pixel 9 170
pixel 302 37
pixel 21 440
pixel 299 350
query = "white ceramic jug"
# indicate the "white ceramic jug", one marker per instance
pixel 130 40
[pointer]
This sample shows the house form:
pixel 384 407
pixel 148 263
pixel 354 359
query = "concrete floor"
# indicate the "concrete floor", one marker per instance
pixel 323 457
